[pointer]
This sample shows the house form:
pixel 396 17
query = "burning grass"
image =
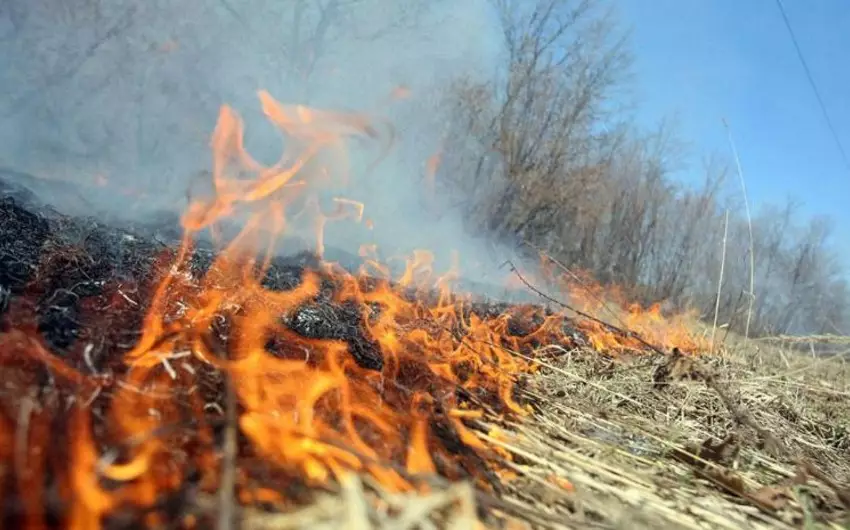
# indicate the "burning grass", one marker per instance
pixel 332 373
pixel 181 383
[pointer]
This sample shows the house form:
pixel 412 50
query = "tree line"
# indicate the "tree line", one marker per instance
pixel 548 157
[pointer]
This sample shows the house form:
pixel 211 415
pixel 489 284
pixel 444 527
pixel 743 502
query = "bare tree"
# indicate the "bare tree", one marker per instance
pixel 311 29
pixel 538 121
pixel 125 87
pixel 539 156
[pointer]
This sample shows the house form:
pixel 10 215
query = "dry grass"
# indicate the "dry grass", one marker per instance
pixel 608 446
pixel 359 505
pixel 626 444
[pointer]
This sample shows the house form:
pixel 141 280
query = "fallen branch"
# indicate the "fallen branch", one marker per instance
pixel 827 338
pixel 561 265
pixel 622 331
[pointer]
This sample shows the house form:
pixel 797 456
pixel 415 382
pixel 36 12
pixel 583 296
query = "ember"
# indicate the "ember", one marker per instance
pixel 119 352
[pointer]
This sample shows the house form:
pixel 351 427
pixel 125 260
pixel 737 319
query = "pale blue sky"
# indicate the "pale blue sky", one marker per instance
pixel 704 60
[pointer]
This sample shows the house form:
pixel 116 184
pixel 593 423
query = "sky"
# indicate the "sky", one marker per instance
pixel 705 60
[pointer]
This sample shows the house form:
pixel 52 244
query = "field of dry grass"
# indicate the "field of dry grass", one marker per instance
pixel 754 436
pixel 748 438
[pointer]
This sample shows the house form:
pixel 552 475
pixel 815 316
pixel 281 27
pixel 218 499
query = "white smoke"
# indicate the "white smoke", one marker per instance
pixel 126 93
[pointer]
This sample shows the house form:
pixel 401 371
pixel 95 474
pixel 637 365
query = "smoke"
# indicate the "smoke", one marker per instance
pixel 119 97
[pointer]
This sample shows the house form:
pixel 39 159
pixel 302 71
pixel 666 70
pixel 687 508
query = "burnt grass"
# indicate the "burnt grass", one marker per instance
pixel 83 287
pixel 609 426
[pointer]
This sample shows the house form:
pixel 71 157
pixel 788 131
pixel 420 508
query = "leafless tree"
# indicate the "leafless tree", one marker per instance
pixel 311 27
pixel 129 86
pixel 538 120
pixel 540 154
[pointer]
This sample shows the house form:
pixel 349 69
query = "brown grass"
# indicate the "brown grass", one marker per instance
pixel 613 444
pixel 628 445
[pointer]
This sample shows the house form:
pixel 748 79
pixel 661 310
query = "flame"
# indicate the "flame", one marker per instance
pixel 432 165
pixel 609 303
pixel 397 399
pixel 401 92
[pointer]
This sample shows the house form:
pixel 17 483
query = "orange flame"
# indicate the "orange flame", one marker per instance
pixel 308 406
pixel 608 303
pixel 399 402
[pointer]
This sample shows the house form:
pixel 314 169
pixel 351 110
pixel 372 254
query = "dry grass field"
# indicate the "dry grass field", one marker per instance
pixel 754 436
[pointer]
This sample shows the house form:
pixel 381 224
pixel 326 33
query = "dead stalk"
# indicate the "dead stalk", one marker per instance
pixel 751 295
pixel 622 331
pixel 227 501
pixel 579 281
pixel 720 279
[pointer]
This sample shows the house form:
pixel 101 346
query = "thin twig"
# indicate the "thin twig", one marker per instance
pixel 720 279
pixel 771 443
pixel 578 280
pixel 625 332
pixel 226 492
pixel 751 295
pixel 742 417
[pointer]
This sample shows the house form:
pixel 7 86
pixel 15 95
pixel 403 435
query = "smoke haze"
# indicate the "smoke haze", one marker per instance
pixel 121 97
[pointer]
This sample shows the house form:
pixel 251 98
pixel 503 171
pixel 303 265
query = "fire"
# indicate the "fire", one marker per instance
pixel 396 396
pixel 609 304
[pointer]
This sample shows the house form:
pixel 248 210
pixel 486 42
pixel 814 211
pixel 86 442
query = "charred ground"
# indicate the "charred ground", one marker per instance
pixel 744 438
pixel 81 288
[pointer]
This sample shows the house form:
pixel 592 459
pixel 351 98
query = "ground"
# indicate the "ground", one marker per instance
pixel 624 436
pixel 613 443
pixel 755 434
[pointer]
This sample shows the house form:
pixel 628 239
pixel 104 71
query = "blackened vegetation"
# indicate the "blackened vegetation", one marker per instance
pixel 22 234
pixel 84 288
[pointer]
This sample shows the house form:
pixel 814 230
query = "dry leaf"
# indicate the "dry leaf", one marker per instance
pixel 678 367
pixel 704 458
pixel 726 479
pixel 843 493
pixel 776 497
pixel 771 497
pixel 723 452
